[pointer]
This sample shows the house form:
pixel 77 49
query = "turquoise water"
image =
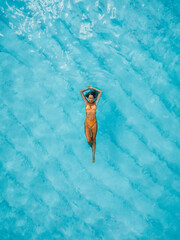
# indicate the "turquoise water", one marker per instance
pixel 52 49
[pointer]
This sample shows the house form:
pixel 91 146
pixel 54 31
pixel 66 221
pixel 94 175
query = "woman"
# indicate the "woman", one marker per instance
pixel 90 123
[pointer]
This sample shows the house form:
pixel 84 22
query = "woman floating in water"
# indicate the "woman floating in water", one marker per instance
pixel 90 123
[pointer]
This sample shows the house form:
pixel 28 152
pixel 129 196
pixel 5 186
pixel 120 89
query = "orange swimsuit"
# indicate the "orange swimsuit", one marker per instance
pixel 90 122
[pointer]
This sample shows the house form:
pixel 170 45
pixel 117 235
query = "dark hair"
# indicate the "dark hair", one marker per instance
pixel 92 92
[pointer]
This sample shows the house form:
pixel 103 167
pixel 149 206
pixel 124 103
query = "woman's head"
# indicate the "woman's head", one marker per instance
pixel 91 96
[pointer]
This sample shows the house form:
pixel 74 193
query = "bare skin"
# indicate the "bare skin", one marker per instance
pixel 91 115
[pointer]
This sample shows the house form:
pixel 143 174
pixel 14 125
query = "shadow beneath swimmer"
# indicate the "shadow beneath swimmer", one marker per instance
pixel 90 144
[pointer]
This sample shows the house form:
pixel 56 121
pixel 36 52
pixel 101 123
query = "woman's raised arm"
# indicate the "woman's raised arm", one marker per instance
pixel 95 89
pixel 82 94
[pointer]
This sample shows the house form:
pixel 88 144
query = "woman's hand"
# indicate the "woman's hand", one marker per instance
pixel 89 87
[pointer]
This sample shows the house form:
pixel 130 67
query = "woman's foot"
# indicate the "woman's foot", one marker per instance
pixel 93 159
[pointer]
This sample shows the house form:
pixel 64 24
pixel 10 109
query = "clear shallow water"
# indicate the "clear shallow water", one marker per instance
pixel 50 50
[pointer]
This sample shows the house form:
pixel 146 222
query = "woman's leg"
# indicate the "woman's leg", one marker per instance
pixel 88 133
pixel 94 132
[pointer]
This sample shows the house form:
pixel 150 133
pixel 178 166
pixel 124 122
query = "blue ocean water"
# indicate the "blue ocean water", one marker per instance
pixel 50 189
